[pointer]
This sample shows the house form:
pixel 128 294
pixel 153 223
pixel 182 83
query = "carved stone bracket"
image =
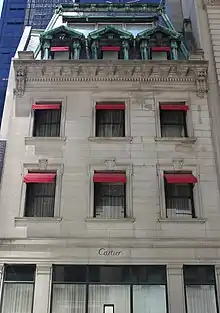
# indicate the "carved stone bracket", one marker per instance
pixel 20 81
pixel 201 81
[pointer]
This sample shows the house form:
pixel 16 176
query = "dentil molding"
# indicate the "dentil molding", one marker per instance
pixel 150 72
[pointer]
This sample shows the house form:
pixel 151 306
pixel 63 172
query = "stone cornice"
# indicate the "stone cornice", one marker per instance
pixel 211 2
pixel 189 72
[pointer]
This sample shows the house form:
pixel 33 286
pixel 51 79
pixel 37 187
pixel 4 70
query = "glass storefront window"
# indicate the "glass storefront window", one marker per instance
pixel 119 288
pixel 200 289
pixel 68 298
pixel 149 299
pixel 100 295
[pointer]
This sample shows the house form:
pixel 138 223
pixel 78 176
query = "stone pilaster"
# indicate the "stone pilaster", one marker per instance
pixel 42 288
pixel 176 296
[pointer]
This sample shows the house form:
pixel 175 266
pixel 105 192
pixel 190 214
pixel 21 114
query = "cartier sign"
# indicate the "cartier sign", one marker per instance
pixel 109 252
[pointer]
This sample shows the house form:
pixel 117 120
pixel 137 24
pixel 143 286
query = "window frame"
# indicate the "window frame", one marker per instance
pixel 3 281
pixel 129 283
pixel 198 209
pixel 191 187
pixel 46 100
pixel 98 124
pixel 127 125
pixel 203 284
pixel 189 121
pixel 168 54
pixel 95 200
pixel 128 169
pixel 53 196
pixel 58 169
pixel 183 125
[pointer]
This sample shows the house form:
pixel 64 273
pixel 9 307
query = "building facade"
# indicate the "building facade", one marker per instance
pixel 113 203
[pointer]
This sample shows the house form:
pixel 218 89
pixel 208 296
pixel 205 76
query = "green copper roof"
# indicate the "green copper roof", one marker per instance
pixel 122 33
pixel 159 28
pixel 61 29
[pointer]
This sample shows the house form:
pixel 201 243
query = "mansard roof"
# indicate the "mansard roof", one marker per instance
pixel 172 34
pixel 122 33
pixel 61 29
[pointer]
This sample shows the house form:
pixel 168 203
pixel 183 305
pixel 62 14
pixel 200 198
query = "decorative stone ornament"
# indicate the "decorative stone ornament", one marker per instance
pixel 178 164
pixel 43 164
pixel 110 164
pixel 187 72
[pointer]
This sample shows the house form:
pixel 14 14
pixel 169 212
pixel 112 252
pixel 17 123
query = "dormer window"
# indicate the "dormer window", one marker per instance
pixel 60 53
pixel 110 43
pixel 110 52
pixel 160 53
pixel 61 43
pixel 159 43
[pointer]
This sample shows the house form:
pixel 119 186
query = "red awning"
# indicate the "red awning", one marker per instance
pixel 39 178
pixel 110 106
pixel 111 48
pixel 174 107
pixel 58 49
pixel 160 49
pixel 181 178
pixel 41 106
pixel 109 177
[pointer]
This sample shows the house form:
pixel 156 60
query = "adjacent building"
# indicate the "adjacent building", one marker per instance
pixel 109 195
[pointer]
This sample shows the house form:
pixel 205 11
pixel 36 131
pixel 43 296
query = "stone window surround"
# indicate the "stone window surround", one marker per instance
pixel 189 121
pixel 196 193
pixel 111 165
pixel 127 119
pixel 62 101
pixel 22 220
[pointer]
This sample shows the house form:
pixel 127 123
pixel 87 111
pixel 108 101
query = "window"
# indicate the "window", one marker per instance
pixel 110 120
pixel 110 52
pixel 179 195
pixel 18 289
pixel 200 289
pixel 173 120
pixel 160 53
pixel 92 288
pixel 40 194
pixel 60 53
pixel 46 120
pixel 109 194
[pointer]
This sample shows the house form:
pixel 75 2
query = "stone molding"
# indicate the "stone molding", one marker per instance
pixel 149 72
pixel 211 2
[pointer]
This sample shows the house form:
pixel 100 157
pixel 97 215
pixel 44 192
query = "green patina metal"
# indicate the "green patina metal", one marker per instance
pixel 108 30
pixel 110 34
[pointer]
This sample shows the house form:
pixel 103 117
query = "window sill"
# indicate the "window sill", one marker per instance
pixel 102 139
pixel 24 221
pixel 110 220
pixel 183 220
pixel 176 139
pixel 33 140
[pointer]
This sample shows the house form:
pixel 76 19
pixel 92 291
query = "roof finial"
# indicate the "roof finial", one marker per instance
pixel 161 7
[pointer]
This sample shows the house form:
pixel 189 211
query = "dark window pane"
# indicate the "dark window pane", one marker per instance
pixel 173 123
pixel 110 123
pixel 47 123
pixel 109 200
pixel 179 200
pixel 19 272
pixel 149 274
pixel 40 199
pixel 109 274
pixel 199 275
pixel 69 273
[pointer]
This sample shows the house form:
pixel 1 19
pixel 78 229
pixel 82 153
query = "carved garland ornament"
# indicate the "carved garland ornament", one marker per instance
pixel 184 73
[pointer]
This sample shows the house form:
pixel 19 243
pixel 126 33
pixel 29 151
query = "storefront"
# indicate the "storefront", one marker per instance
pixel 107 289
